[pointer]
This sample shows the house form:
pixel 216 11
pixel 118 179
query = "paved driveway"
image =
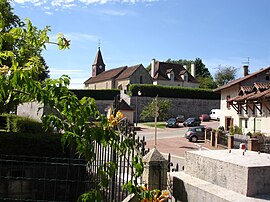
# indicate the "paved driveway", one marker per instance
pixel 172 140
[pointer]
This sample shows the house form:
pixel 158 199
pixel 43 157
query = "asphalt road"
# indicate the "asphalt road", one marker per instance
pixel 172 141
pixel 149 132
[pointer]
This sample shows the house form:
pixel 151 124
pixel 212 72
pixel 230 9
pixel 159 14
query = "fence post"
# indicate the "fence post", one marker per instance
pixel 155 170
pixel 212 139
pixel 217 139
pixel 230 142
pixel 253 144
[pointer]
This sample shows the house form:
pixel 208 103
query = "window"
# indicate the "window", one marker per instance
pixel 141 81
pixel 267 78
pixel 246 123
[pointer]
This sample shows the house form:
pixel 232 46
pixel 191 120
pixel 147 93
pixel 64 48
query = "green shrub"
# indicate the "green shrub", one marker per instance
pixel 103 94
pixel 15 123
pixel 150 90
pixel 39 144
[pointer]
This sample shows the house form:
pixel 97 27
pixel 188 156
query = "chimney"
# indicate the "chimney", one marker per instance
pixel 245 68
pixel 193 69
pixel 153 70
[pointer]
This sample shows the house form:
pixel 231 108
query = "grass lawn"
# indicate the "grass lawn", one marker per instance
pixel 152 124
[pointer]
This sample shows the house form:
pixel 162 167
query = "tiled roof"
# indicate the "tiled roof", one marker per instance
pixel 98 60
pixel 162 68
pixel 261 85
pixel 237 81
pixel 259 94
pixel 107 75
pixel 128 72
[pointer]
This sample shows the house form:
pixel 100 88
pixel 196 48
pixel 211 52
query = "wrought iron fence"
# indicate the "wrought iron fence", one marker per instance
pixel 26 178
pixel 223 140
pixel 264 144
pixel 238 139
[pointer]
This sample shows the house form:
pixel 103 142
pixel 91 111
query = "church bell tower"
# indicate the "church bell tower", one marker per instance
pixel 98 66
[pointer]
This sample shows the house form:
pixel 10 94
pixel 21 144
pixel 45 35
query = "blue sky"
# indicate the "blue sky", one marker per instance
pixel 220 32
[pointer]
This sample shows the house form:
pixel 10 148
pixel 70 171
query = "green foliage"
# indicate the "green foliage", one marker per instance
pixel 224 75
pixel 173 92
pixel 163 107
pixel 236 130
pixel 75 118
pixel 18 124
pixel 32 144
pixel 106 94
pixel 207 83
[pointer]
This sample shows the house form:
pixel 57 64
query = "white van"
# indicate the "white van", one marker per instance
pixel 215 114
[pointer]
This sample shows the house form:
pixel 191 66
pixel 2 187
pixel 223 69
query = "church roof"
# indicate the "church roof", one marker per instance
pixel 98 60
pixel 128 72
pixel 106 75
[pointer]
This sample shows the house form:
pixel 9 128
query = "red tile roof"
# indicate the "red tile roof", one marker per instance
pixel 162 68
pixel 107 75
pixel 237 81
pixel 128 72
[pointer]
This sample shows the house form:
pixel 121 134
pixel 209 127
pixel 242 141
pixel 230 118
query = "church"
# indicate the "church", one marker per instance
pixel 161 73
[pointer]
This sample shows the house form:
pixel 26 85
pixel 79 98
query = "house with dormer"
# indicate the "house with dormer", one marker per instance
pixel 170 74
pixel 245 102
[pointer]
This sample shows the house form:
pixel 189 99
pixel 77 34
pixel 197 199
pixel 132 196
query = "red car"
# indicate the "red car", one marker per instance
pixel 205 117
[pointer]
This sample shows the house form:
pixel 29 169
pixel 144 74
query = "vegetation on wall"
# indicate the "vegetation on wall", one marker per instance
pixel 148 90
pixel 104 94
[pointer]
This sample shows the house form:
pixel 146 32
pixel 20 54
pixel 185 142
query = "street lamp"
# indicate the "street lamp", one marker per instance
pixel 138 94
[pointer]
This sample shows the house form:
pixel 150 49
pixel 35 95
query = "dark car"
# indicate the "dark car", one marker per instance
pixel 192 121
pixel 172 123
pixel 180 118
pixel 196 133
pixel 205 117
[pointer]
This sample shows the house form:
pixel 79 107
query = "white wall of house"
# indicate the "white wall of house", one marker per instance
pixel 248 122
pixel 224 110
pixel 123 82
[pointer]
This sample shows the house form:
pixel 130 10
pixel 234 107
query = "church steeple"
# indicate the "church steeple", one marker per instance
pixel 98 64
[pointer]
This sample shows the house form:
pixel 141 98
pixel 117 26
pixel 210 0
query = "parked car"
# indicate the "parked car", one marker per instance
pixel 204 117
pixel 194 134
pixel 215 114
pixel 192 121
pixel 172 123
pixel 180 118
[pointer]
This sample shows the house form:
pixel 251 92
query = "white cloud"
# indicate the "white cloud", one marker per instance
pixel 114 12
pixel 49 13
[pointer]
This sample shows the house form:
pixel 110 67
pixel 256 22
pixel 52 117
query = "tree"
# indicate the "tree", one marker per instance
pixel 163 107
pixel 224 75
pixel 19 71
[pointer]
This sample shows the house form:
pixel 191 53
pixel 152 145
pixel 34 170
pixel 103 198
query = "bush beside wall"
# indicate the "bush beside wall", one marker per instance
pixel 106 94
pixel 149 90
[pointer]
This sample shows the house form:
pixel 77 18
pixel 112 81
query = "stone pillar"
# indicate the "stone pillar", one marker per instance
pixel 230 142
pixel 253 144
pixel 155 170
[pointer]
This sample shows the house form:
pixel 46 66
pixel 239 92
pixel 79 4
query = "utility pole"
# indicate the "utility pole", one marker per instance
pixel 155 114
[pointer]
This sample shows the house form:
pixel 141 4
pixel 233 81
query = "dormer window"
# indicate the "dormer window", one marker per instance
pixel 171 75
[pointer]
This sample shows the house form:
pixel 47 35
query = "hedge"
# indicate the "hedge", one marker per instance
pixel 13 123
pixel 149 90
pixel 106 94
pixel 29 144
